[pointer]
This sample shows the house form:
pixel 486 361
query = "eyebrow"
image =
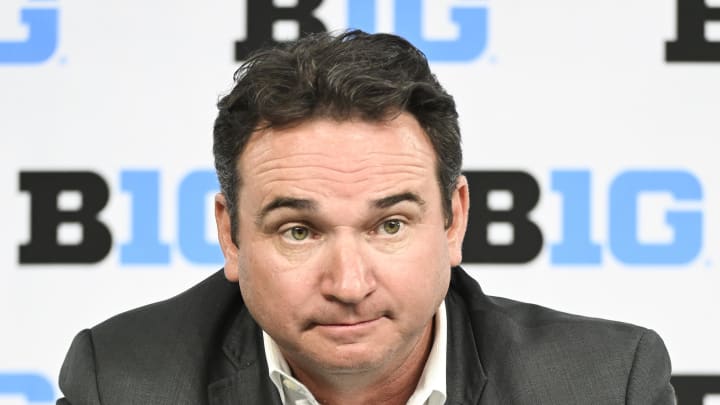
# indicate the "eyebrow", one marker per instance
pixel 389 201
pixel 300 204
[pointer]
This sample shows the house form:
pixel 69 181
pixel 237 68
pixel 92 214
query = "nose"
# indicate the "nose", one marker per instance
pixel 349 277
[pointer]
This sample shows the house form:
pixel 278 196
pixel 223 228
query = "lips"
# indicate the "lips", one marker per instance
pixel 348 330
pixel 347 323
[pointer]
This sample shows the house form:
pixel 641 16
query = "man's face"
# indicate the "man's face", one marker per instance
pixel 343 255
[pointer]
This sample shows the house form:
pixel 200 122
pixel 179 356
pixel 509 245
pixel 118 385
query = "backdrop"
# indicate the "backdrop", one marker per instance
pixel 589 134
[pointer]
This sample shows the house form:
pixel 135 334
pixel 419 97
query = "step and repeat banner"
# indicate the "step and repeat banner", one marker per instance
pixel 590 135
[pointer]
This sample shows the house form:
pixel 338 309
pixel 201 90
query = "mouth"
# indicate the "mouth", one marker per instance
pixel 349 329
pixel 347 322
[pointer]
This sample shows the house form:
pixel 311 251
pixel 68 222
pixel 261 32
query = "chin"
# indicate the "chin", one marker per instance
pixel 347 360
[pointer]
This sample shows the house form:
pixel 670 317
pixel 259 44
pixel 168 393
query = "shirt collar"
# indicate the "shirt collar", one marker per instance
pixel 431 387
pixel 278 368
pixel 430 390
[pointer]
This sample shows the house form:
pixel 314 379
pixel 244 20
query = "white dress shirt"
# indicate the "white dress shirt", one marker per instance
pixel 430 389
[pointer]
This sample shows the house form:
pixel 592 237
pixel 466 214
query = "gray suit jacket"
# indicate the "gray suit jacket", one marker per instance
pixel 203 347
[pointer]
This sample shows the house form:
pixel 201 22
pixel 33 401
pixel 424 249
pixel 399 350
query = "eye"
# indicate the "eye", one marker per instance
pixel 297 233
pixel 391 226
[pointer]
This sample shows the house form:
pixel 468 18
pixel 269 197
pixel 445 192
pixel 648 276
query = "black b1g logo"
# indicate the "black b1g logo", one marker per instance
pixel 690 44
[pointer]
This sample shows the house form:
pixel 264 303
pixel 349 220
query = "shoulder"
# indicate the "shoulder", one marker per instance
pixel 159 349
pixel 530 323
pixel 201 306
pixel 544 350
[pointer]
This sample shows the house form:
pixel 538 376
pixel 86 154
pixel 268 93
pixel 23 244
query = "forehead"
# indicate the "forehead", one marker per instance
pixel 350 151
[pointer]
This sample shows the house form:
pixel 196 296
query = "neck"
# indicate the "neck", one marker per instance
pixel 393 385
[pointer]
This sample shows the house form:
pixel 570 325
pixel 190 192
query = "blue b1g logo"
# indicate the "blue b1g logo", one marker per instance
pixel 471 22
pixel 41 20
pixel 33 388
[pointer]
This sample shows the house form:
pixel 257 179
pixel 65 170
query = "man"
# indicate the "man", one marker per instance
pixel 341 220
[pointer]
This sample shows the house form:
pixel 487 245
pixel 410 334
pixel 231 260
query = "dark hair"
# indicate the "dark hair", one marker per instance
pixel 354 74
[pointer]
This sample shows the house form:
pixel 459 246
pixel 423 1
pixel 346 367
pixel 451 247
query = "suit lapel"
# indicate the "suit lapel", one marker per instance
pixel 465 376
pixel 243 388
pixel 244 377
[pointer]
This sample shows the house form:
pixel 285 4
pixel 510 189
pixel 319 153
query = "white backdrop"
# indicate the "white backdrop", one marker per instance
pixel 117 87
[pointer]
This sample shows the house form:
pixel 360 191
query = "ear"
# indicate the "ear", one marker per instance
pixel 460 202
pixel 224 230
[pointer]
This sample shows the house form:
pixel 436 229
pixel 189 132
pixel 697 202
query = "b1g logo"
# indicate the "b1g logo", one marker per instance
pixel 471 22
pixel 39 19
pixel 626 193
pixel 576 245
pixel 50 212
pixel 691 44
pixel 32 388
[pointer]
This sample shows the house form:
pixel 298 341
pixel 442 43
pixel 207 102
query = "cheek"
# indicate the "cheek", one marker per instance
pixel 269 288
pixel 257 284
pixel 421 277
pixel 436 265
pixel 429 251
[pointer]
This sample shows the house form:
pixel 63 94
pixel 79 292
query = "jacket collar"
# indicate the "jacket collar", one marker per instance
pixel 245 379
pixel 466 376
